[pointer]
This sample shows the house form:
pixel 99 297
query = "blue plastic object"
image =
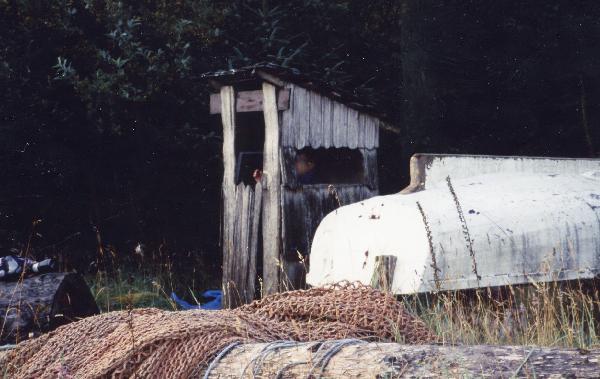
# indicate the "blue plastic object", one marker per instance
pixel 214 304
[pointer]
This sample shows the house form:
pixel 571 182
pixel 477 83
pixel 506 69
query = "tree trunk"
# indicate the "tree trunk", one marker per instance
pixel 358 359
pixel 42 303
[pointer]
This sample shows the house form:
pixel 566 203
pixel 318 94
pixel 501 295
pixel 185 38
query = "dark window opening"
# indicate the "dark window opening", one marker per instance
pixel 249 146
pixel 328 166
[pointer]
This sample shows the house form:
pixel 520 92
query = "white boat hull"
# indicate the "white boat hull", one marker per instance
pixel 516 227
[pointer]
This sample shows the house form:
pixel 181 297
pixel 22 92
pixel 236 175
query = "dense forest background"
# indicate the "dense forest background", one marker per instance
pixel 106 141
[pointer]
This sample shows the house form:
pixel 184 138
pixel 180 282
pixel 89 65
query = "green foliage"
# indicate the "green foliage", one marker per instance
pixel 129 72
pixel 104 131
pixel 122 291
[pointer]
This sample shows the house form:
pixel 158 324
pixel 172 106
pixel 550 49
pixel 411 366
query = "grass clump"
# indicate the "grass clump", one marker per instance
pixel 560 314
pixel 126 290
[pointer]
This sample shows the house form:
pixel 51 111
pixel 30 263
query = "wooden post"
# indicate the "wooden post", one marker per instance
pixel 271 193
pixel 359 359
pixel 228 191
pixel 383 273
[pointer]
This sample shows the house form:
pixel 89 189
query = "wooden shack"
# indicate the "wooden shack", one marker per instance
pixel 271 116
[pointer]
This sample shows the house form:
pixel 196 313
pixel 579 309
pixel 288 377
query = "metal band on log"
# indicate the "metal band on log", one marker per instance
pixel 359 359
pixel 42 303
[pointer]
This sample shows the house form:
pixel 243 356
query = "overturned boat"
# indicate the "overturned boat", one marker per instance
pixel 468 222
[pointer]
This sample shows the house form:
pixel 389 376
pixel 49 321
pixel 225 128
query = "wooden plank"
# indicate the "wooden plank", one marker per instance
pixel 360 143
pixel 370 168
pixel 352 129
pixel 376 131
pixel 288 160
pixel 340 124
pixel 228 121
pixel 250 101
pixel 226 245
pixel 327 118
pixel 287 122
pixel 371 133
pixel 270 78
pixel 315 120
pixel 368 129
pixel 229 258
pixel 271 194
pixel 234 290
pixel 228 188
pixel 301 117
pixel 243 250
pixel 383 273
pixel 241 266
pixel 254 234
pixel 302 214
pixel 296 102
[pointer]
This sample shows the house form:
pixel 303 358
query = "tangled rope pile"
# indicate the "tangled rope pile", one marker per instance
pixel 156 343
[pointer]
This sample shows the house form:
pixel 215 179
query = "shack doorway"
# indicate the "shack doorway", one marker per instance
pixel 249 146
pixel 249 152
pixel 242 264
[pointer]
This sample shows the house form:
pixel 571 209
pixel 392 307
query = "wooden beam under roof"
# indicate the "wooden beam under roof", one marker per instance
pixel 250 101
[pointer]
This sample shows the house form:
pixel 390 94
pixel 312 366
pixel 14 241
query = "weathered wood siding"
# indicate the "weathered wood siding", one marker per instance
pixel 307 205
pixel 239 266
pixel 370 168
pixel 271 193
pixel 316 121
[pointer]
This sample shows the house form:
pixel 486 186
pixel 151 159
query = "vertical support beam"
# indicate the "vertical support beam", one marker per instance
pixel 228 120
pixel 228 191
pixel 271 193
pixel 383 273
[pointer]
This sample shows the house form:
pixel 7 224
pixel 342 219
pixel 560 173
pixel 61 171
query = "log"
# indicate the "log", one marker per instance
pixel 359 359
pixel 42 303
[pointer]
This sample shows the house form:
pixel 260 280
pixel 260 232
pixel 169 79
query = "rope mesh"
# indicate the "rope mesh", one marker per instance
pixel 157 343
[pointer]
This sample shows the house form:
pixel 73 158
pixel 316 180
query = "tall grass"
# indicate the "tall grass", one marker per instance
pixel 553 313
pixel 125 290
pixel 560 314
pixel 544 314
pixel 123 282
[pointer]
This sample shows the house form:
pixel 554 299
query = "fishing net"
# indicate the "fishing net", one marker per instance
pixel 166 344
